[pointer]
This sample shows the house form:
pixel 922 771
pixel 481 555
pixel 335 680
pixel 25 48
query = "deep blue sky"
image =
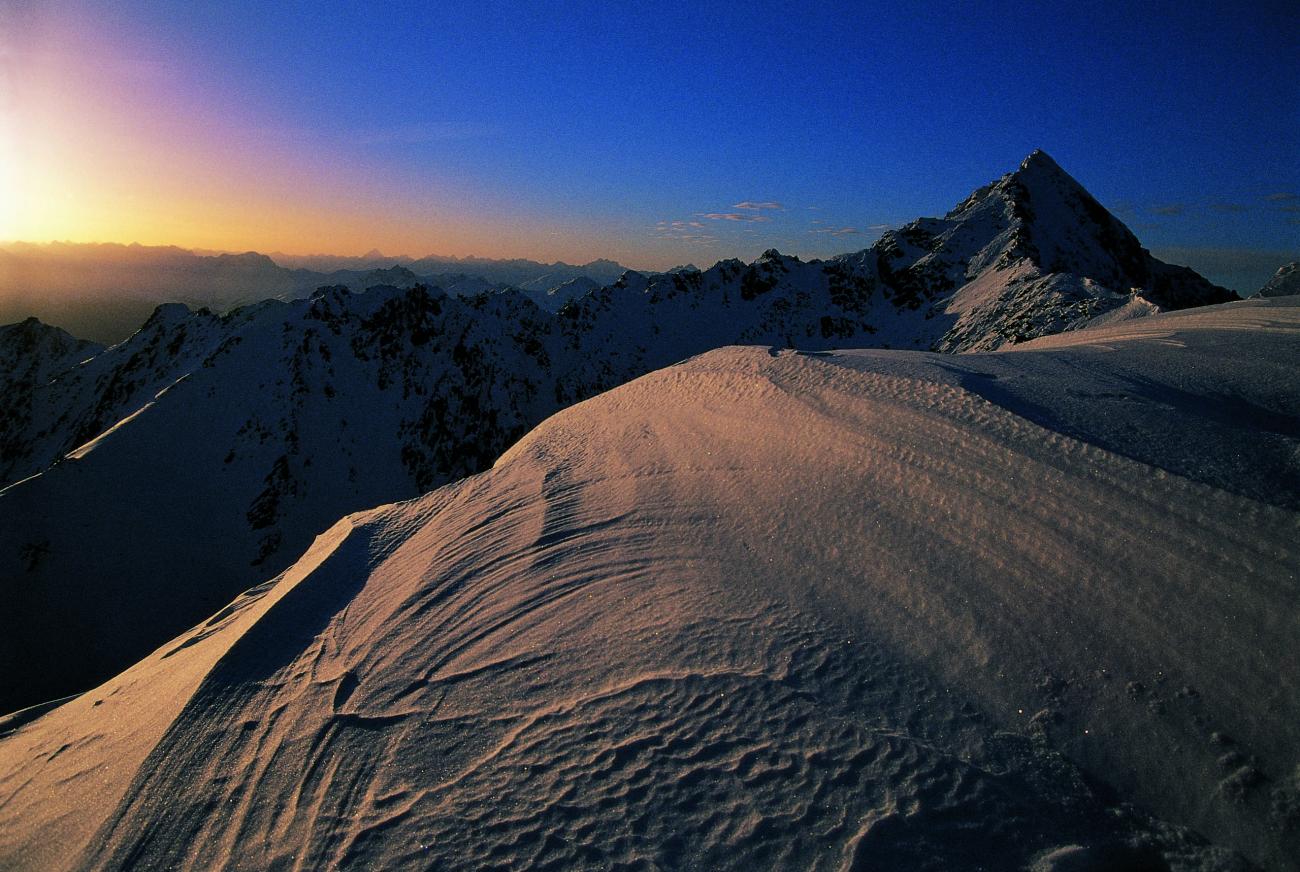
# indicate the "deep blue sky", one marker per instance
pixel 572 130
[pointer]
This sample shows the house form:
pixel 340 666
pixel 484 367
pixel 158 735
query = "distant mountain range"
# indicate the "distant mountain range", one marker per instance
pixel 156 480
pixel 104 291
pixel 518 271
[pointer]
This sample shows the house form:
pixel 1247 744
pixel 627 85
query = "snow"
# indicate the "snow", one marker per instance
pixel 761 609
pixel 1285 282
pixel 293 414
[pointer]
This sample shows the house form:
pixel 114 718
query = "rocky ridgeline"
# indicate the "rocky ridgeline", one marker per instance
pixel 260 428
pixel 1285 282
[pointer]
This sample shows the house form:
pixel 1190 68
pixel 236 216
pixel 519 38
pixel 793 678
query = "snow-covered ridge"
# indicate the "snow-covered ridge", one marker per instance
pixel 32 354
pixel 285 416
pixel 762 609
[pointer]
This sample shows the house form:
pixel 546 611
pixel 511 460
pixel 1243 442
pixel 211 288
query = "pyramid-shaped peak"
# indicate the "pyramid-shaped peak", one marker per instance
pixel 1039 170
pixel 1040 179
pixel 1039 159
pixel 1037 174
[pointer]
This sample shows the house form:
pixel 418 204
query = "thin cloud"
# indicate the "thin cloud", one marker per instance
pixel 1283 197
pixel 837 231
pixel 733 216
pixel 750 204
pixel 688 238
pixel 1169 209
pixel 1229 208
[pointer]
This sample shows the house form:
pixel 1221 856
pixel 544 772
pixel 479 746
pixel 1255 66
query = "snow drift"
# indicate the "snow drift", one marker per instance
pixel 223 444
pixel 849 610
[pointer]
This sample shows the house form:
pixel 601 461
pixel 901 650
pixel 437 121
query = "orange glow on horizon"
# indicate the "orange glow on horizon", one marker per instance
pixel 98 144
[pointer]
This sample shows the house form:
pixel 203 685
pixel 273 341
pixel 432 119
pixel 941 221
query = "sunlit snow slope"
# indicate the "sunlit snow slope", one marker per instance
pixel 142 489
pixel 855 610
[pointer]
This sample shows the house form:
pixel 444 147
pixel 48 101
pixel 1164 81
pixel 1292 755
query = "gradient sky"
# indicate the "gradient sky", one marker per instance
pixel 635 130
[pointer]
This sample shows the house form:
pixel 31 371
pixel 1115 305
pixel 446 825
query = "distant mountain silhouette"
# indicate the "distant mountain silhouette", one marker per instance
pixel 105 291
pixel 258 428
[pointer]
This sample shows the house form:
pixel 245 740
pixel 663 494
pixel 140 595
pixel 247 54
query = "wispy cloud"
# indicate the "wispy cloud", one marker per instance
pixel 683 231
pixel 733 216
pixel 688 238
pixel 1169 209
pixel 1229 208
pixel 751 204
pixel 837 231
pixel 1283 197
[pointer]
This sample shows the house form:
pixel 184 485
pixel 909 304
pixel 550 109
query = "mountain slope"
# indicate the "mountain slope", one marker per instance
pixel 31 355
pixel 867 609
pixel 73 401
pixel 1285 283
pixel 258 429
pixel 554 295
pixel 1029 255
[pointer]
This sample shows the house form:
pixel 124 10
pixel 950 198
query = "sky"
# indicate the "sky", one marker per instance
pixel 651 133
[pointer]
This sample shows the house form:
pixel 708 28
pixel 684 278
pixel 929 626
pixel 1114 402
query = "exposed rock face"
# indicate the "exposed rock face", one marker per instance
pixel 31 355
pixel 1029 255
pixel 760 610
pixel 1284 283
pixel 259 428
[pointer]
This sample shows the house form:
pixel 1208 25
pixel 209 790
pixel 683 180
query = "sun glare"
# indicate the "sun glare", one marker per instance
pixel 10 194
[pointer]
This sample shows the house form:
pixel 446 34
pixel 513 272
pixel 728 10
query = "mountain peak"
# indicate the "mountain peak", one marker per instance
pixel 1039 159
pixel 1038 173
pixel 1285 282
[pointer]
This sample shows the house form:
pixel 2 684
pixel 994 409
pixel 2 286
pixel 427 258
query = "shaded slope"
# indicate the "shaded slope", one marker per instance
pixel 759 609
pixel 31 354
pixel 1285 283
pixel 223 444
pixel 78 397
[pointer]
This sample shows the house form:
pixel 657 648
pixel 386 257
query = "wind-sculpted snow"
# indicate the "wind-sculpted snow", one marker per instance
pixel 760 609
pixel 204 453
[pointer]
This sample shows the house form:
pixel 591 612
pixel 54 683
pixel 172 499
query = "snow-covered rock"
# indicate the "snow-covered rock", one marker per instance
pixel 31 355
pixel 204 453
pixel 1284 283
pixel 553 296
pixel 1029 255
pixel 763 609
